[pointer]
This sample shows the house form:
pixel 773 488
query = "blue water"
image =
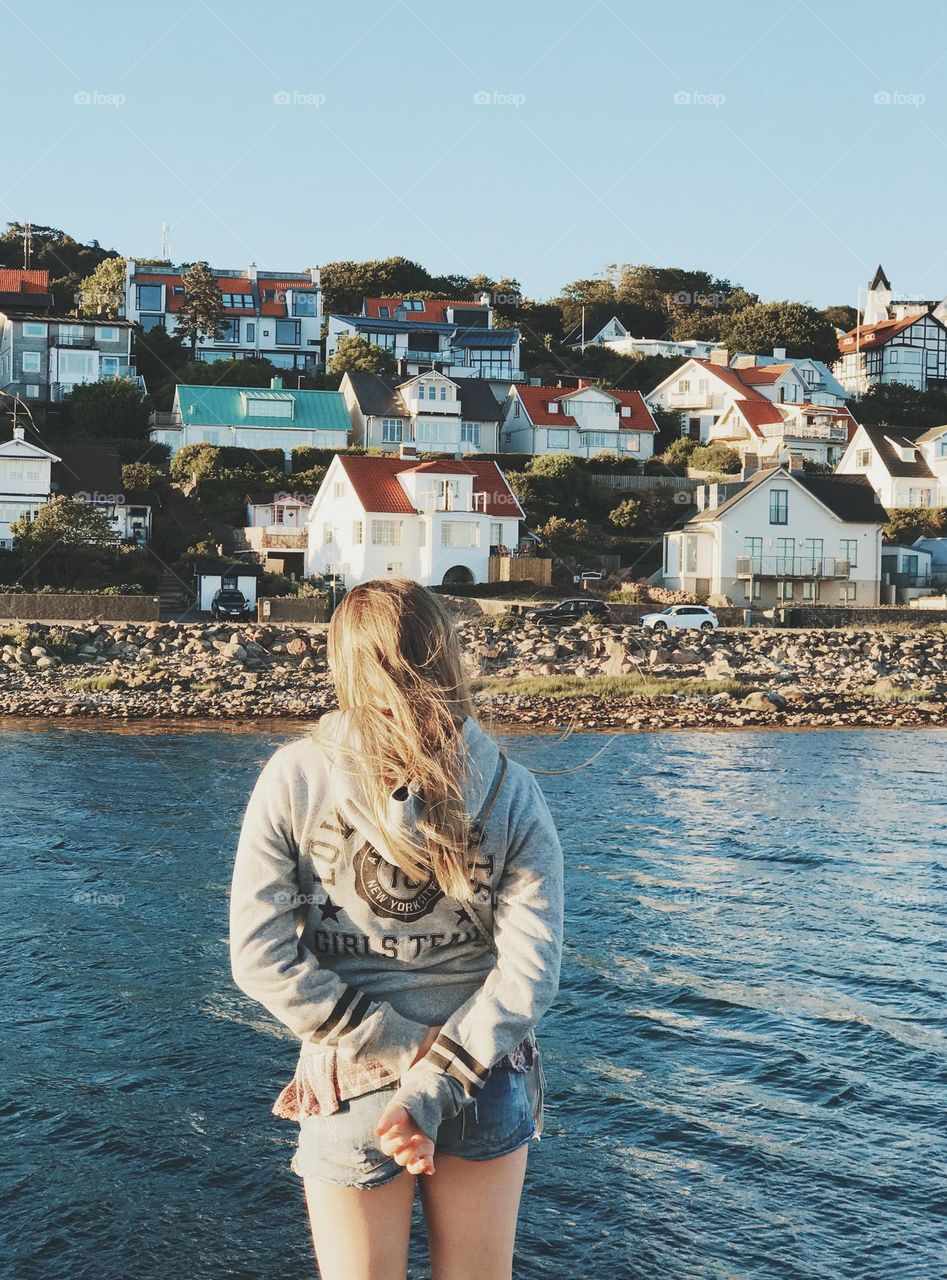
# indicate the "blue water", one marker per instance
pixel 747 1061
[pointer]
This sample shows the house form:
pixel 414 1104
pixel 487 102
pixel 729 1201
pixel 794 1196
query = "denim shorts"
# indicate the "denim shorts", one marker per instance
pixel 342 1147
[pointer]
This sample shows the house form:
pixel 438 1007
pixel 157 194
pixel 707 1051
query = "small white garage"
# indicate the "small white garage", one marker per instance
pixel 211 575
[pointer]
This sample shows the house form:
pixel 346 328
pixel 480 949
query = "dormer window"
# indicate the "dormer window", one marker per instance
pixel 553 407
pixel 626 411
pixel 384 313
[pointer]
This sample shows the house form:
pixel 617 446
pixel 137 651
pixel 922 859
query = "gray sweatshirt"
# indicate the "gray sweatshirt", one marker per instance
pixel 328 934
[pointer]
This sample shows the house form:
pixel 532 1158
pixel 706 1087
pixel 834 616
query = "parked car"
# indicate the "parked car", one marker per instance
pixel 569 610
pixel 230 603
pixel 681 615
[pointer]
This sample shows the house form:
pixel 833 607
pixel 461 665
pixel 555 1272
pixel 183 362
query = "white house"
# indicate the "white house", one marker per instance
pixel 435 522
pixel 819 384
pixel 457 338
pixel 436 413
pixel 25 481
pixel 271 417
pixel 615 337
pixel 701 390
pixel 276 531
pixel 581 421
pixel 765 432
pixel 903 472
pixel 782 535
pixel 896 341
pixel 271 315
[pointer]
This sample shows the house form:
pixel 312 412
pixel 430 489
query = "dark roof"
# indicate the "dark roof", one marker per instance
pixel 224 568
pixel 86 469
pixel 883 440
pixel 851 498
pixel 377 396
pixel 880 278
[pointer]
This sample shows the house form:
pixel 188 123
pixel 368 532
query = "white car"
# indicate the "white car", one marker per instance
pixel 696 616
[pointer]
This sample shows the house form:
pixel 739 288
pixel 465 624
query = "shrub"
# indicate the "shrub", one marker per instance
pixel 678 453
pixel 715 457
pixel 627 515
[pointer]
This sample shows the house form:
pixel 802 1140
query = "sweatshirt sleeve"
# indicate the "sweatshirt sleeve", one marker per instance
pixel 268 958
pixel 528 925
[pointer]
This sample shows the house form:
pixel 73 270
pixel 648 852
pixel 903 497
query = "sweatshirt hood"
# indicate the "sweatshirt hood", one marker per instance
pixel 481 756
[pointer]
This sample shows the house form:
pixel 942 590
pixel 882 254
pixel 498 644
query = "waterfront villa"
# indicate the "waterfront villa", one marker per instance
pixel 271 315
pixel 896 341
pixel 781 536
pixel 903 472
pixel 436 413
pixel 581 421
pixel 764 432
pixel 436 522
pixel 271 417
pixel 456 338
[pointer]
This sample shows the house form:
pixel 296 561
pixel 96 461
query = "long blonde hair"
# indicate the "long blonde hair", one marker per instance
pixel 395 659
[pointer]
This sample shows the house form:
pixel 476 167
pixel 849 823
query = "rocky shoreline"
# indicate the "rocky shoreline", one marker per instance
pixel 584 677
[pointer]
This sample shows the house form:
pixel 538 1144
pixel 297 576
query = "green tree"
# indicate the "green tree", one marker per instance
pixel 67 260
pixel 561 534
pixel 109 409
pixel 627 515
pixel 160 357
pixel 354 353
pixel 678 453
pixel 842 317
pixel 904 408
pixel 102 292
pixel 68 542
pixel 201 314
pixel 907 524
pixel 144 475
pixel 716 457
pixel 800 329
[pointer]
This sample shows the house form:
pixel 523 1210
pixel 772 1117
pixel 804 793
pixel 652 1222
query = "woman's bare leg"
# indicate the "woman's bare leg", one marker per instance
pixel 471 1207
pixel 362 1233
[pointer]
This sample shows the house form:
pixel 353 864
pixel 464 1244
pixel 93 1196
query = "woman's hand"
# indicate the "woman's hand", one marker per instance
pixel 402 1138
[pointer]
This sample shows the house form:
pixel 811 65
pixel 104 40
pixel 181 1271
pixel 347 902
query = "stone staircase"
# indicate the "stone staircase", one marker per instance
pixel 172 595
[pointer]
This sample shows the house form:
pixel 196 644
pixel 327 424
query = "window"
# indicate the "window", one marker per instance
pixel 71 333
pixel 812 549
pixel 384 340
pixel 305 304
pixel 779 506
pixel 391 429
pixel 31 361
pixel 430 432
pixel 785 553
pixel 338 489
pixel 77 366
pixel 326 534
pixel 496 533
pixel 412 304
pixel 394 566
pixel 32 391
pixel 106 333
pixel 850 551
pixel 847 592
pixel 683 385
pixel 280 408
pixel 238 301
pixel 31 329
pixel 229 331
pixel 152 322
pixel 596 439
pixel 690 553
pixel 386 533
pixel 557 439
pixel 810 589
pixel 287 333
pixel 443 392
pixel 110 366
pixel 384 313
pixel 516 407
pixel 862 457
pixel 149 297
pixel 785 589
pixel 753 547
pixel 919 497
pixel 757 589
pixel 470 433
pixel 178 290
pixel 633 441
pixel 460 533
pixel 358 532
pixel 250 330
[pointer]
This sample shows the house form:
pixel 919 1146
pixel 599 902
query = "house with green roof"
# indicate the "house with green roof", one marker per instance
pixel 271 417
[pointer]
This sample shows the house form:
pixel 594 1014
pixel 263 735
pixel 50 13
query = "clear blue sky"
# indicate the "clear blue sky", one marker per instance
pixel 778 169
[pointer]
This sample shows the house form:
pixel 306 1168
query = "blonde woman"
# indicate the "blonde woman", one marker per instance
pixel 397 903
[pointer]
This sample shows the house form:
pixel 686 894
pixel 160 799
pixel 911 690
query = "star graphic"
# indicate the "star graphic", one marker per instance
pixel 329 910
pixel 462 917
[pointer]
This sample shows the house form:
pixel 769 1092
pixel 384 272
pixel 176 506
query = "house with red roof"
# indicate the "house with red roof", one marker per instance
pixel 897 340
pixel 25 290
pixel 436 521
pixel 270 315
pixel 770 431
pixel 455 337
pixel 579 421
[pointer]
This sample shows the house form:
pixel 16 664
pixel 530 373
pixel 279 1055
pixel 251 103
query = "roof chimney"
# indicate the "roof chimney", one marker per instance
pixel 484 299
pixel 251 272
pixel 19 433
pixel 779 353
pixel 407 450
pixel 276 382
pixel 720 355
pixel 401 367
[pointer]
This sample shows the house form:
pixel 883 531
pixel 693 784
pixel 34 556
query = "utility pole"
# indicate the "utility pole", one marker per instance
pixel 27 245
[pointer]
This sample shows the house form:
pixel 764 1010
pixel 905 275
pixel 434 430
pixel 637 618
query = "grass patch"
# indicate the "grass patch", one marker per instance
pixel 17 635
pixel 98 684
pixel 207 686
pixel 885 691
pixel 627 686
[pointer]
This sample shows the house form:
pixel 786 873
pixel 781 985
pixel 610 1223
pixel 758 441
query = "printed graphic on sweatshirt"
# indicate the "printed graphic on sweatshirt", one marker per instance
pixel 389 892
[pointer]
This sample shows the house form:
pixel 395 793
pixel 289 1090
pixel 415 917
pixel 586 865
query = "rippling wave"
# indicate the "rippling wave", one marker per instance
pixel 747 1061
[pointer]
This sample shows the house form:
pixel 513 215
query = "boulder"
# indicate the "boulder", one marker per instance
pixel 686 657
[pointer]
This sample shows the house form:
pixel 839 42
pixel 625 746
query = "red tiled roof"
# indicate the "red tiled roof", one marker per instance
pixel 732 377
pixel 874 335
pixel 435 309
pixel 758 412
pixel 16 280
pixel 536 401
pixel 450 465
pixel 762 374
pixel 231 284
pixel 378 489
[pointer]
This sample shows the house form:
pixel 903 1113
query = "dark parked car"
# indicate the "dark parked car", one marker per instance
pixel 230 603
pixel 567 611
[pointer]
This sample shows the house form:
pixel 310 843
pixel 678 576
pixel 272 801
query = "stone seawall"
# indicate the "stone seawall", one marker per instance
pixel 526 675
pixel 79 607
